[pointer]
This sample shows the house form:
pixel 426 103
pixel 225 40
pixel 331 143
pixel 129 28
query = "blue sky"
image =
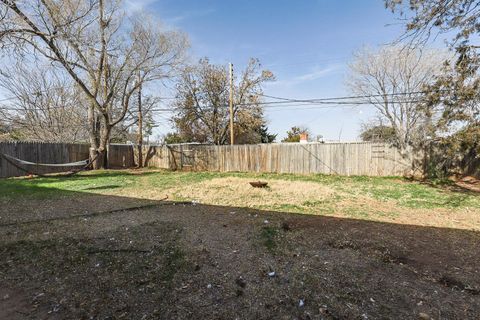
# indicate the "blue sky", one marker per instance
pixel 305 43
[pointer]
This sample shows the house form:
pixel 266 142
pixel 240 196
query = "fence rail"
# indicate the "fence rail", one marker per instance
pixel 371 159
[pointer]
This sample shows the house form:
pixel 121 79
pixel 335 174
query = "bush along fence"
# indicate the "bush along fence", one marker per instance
pixel 48 156
pixel 441 162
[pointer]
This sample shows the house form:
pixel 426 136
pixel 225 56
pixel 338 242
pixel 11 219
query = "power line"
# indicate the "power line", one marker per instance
pixel 29 109
pixel 332 103
pixel 350 97
pixel 284 106
pixel 285 103
pixel 44 91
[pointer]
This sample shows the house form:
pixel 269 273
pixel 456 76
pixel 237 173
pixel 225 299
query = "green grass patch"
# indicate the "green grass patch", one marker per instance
pixel 404 193
pixel 268 237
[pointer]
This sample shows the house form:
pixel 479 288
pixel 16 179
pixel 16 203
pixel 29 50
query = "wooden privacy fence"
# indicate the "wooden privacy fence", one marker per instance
pixel 362 158
pixel 120 156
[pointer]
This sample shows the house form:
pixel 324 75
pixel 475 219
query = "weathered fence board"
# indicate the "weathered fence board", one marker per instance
pixel 371 159
pixel 38 152
pixel 120 156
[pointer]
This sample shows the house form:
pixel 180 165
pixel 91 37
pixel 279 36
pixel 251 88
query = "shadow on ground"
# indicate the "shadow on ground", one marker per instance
pixel 87 256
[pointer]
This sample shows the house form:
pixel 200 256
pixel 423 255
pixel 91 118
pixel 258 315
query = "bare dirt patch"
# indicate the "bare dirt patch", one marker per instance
pixel 12 211
pixel 184 261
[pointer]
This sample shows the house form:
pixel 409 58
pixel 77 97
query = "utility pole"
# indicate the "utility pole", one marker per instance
pixel 106 157
pixel 232 138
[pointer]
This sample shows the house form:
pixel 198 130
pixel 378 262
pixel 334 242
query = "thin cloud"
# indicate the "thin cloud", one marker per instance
pixel 134 6
pixel 189 15
pixel 315 74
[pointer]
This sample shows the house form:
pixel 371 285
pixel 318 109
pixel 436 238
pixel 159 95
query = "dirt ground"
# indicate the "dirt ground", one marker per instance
pixel 90 259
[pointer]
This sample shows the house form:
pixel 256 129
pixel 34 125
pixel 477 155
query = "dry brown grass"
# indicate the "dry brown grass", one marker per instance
pixel 315 198
pixel 378 199
pixel 233 191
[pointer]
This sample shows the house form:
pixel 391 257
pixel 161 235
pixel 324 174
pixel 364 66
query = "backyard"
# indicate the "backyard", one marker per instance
pixel 149 244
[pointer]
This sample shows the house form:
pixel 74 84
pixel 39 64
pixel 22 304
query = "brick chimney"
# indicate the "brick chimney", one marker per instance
pixel 303 138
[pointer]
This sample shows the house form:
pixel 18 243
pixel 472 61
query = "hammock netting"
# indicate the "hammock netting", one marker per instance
pixel 29 167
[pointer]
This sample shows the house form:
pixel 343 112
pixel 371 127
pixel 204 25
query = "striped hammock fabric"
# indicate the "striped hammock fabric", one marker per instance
pixel 71 164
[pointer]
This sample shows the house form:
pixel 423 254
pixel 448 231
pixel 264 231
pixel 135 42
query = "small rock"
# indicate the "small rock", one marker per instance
pixel 423 316
pixel 271 274
pixel 38 296
pixel 323 310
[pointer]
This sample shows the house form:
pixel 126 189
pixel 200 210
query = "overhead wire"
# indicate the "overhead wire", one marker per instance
pixel 350 97
pixel 284 103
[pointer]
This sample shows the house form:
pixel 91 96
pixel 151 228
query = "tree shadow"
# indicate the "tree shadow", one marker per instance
pixel 187 258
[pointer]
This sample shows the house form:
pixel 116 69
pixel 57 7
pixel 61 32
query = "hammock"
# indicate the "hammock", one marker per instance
pixel 84 164
pixel 71 164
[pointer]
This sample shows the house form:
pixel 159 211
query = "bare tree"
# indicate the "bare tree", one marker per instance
pixel 201 104
pixel 5 131
pixel 98 47
pixel 392 79
pixel 45 106
pixel 376 131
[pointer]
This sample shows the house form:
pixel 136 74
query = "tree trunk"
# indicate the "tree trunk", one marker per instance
pixel 99 162
pixel 99 141
pixel 102 160
pixel 94 137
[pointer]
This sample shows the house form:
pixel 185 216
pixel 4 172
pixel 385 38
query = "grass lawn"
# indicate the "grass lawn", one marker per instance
pixel 388 199
pixel 146 244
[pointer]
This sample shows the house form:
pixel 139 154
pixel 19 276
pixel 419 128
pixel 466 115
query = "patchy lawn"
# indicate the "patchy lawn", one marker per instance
pixel 104 245
pixel 378 199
